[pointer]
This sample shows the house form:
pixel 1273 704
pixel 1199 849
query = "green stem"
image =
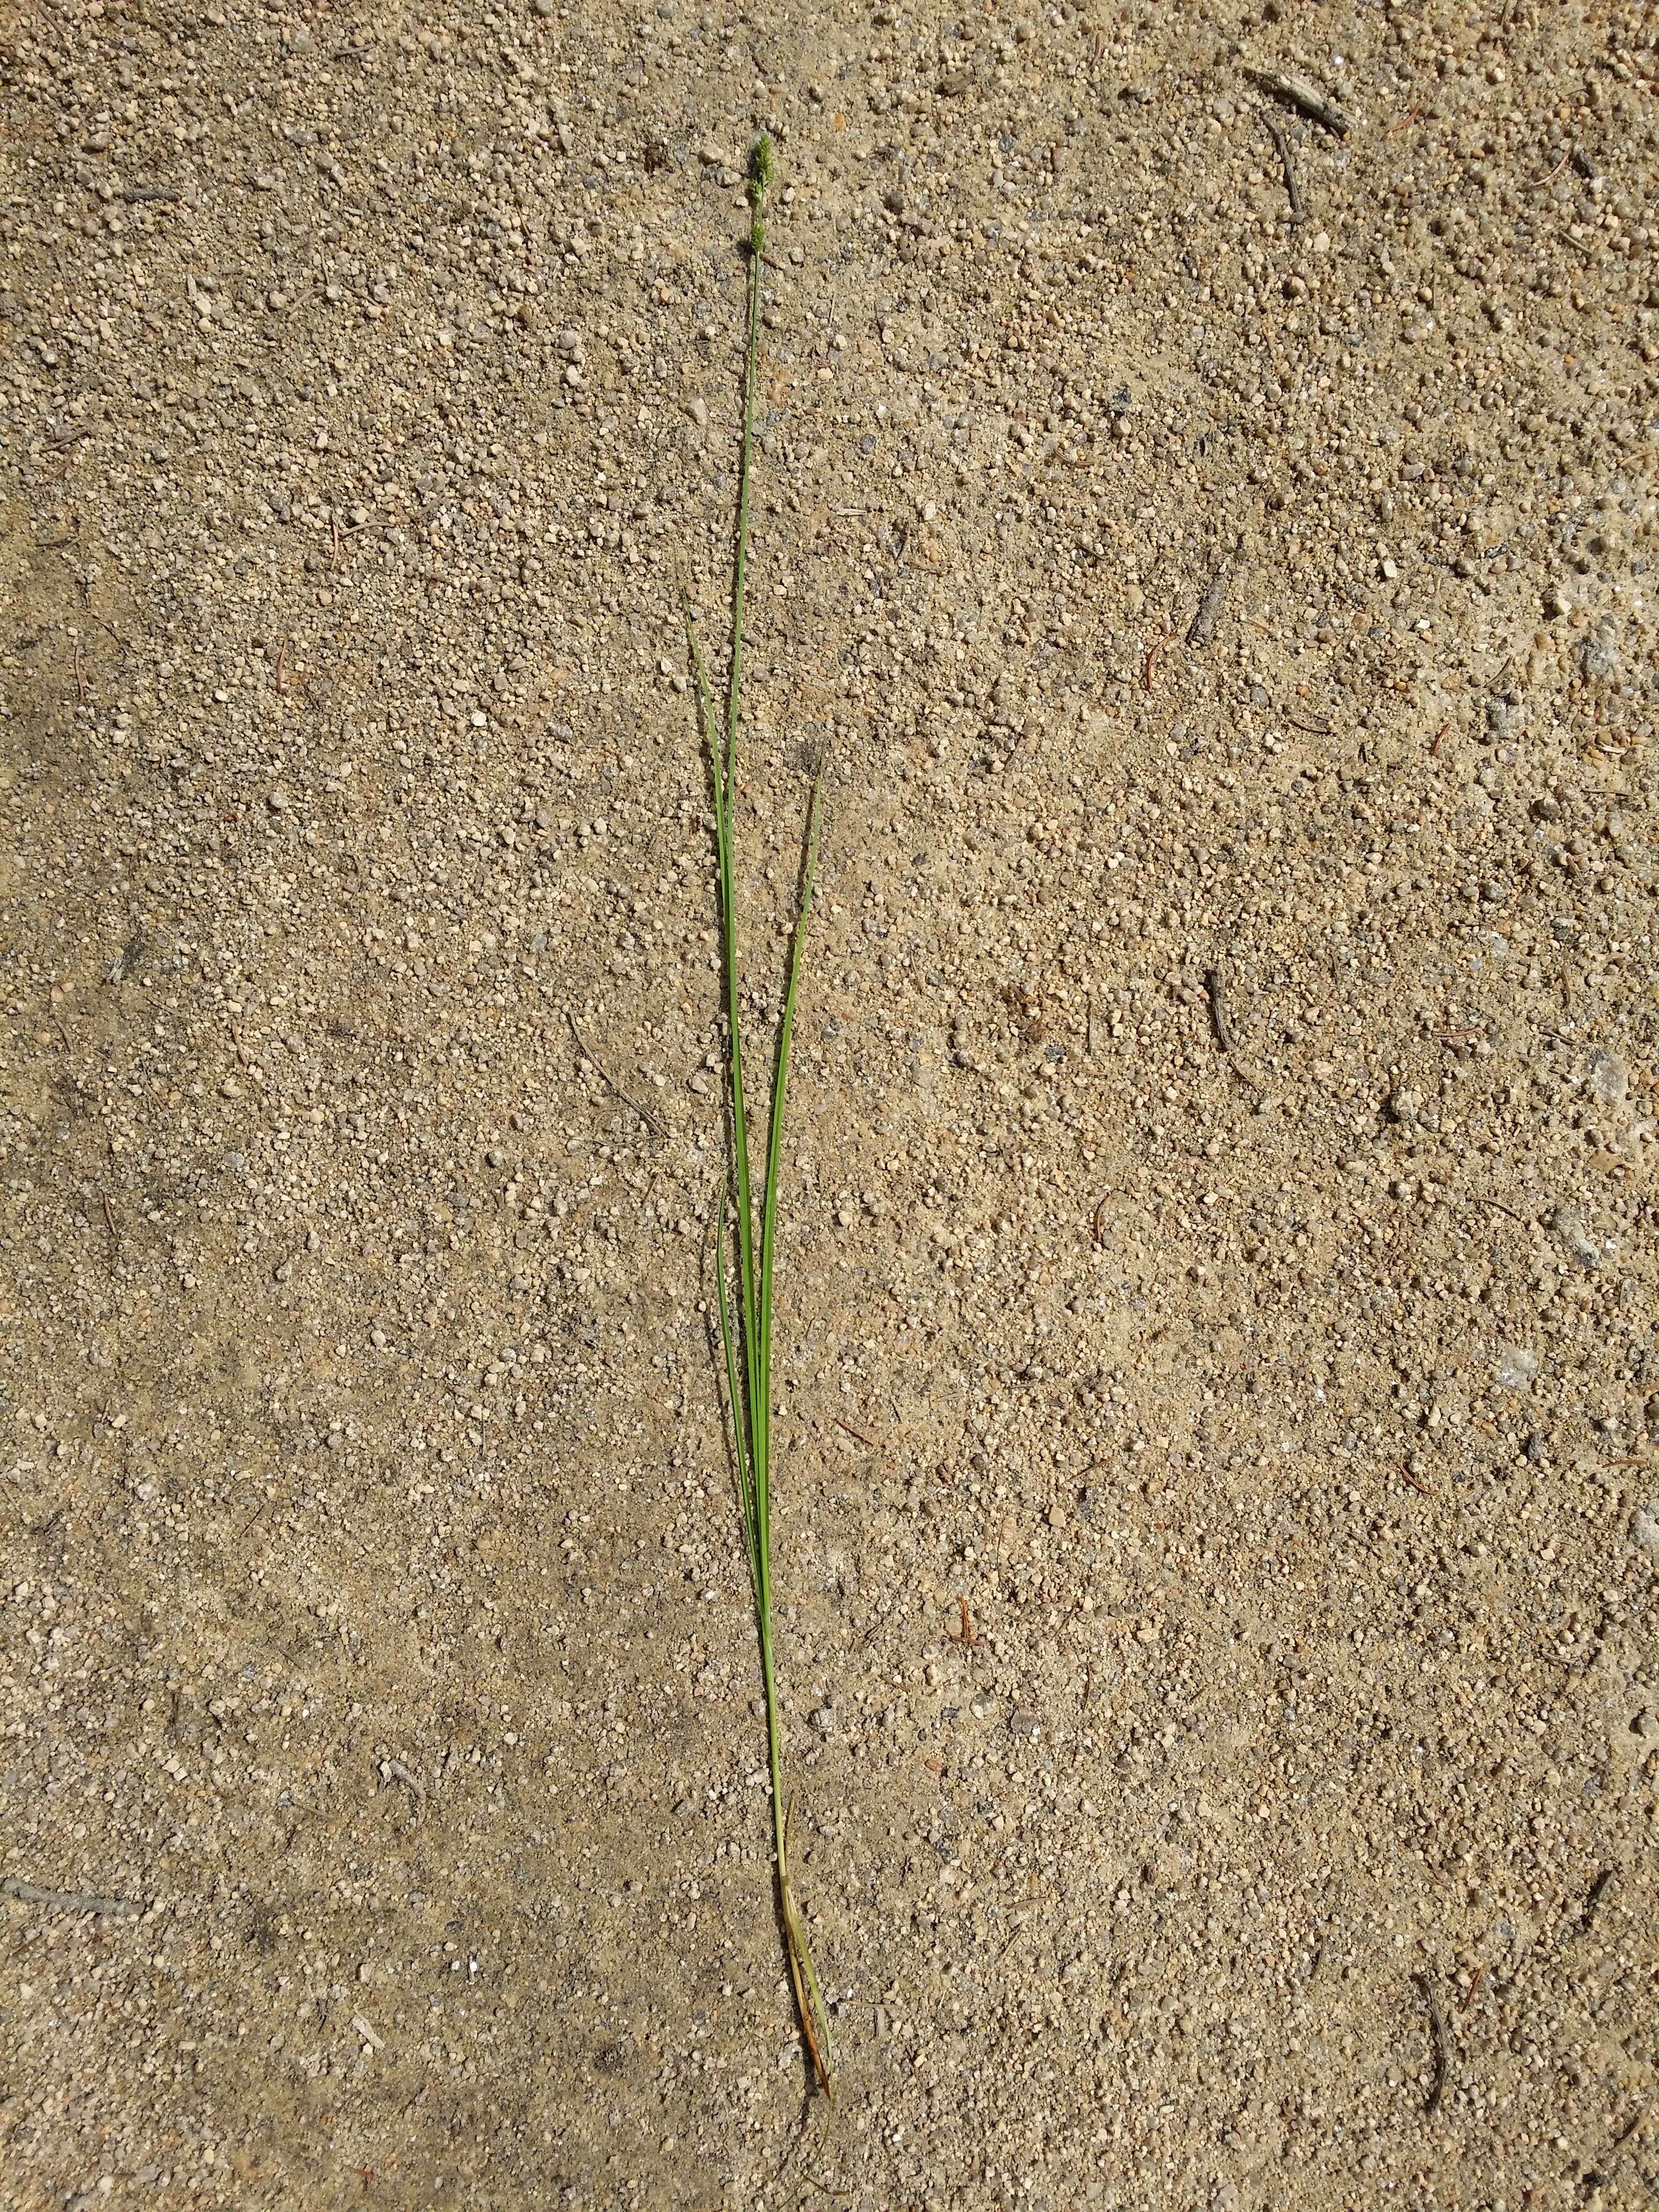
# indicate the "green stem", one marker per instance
pixel 747 1286
pixel 740 573
pixel 780 1091
pixel 749 1315
pixel 773 1723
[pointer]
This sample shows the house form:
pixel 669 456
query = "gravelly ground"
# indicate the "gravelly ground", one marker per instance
pixel 1220 1511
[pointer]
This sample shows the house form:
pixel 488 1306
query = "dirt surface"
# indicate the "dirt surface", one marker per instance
pixel 1219 1393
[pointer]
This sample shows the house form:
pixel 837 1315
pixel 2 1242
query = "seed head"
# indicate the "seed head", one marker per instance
pixel 760 169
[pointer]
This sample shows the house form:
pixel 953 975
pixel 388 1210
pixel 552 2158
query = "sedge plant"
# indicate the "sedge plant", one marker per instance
pixel 745 1242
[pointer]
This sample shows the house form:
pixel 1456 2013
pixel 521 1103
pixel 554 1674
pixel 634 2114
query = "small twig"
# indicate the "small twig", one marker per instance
pixel 852 1431
pixel 393 1770
pixel 76 434
pixel 1597 2178
pixel 823 2187
pixel 1276 132
pixel 970 1636
pixel 649 1119
pixel 1319 729
pixel 139 194
pixel 1473 1990
pixel 1437 2028
pixel 1202 628
pixel 1018 1932
pixel 1099 1235
pixel 109 1220
pixel 1213 983
pixel 1301 94
pixel 1537 184
pixel 67 1900
pixel 1498 1204
pixel 1421 1487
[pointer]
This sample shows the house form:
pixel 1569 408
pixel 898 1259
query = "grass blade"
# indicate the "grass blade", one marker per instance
pixel 745 1319
pixel 741 1455
pixel 780 1088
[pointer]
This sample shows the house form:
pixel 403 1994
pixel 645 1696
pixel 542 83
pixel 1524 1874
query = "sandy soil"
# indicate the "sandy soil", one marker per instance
pixel 1219 1513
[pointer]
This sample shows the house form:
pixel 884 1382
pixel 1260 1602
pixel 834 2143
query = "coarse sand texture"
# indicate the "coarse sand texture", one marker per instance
pixel 1200 549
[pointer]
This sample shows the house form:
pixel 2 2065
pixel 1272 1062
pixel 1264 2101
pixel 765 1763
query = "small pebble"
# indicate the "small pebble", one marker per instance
pixel 1609 1079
